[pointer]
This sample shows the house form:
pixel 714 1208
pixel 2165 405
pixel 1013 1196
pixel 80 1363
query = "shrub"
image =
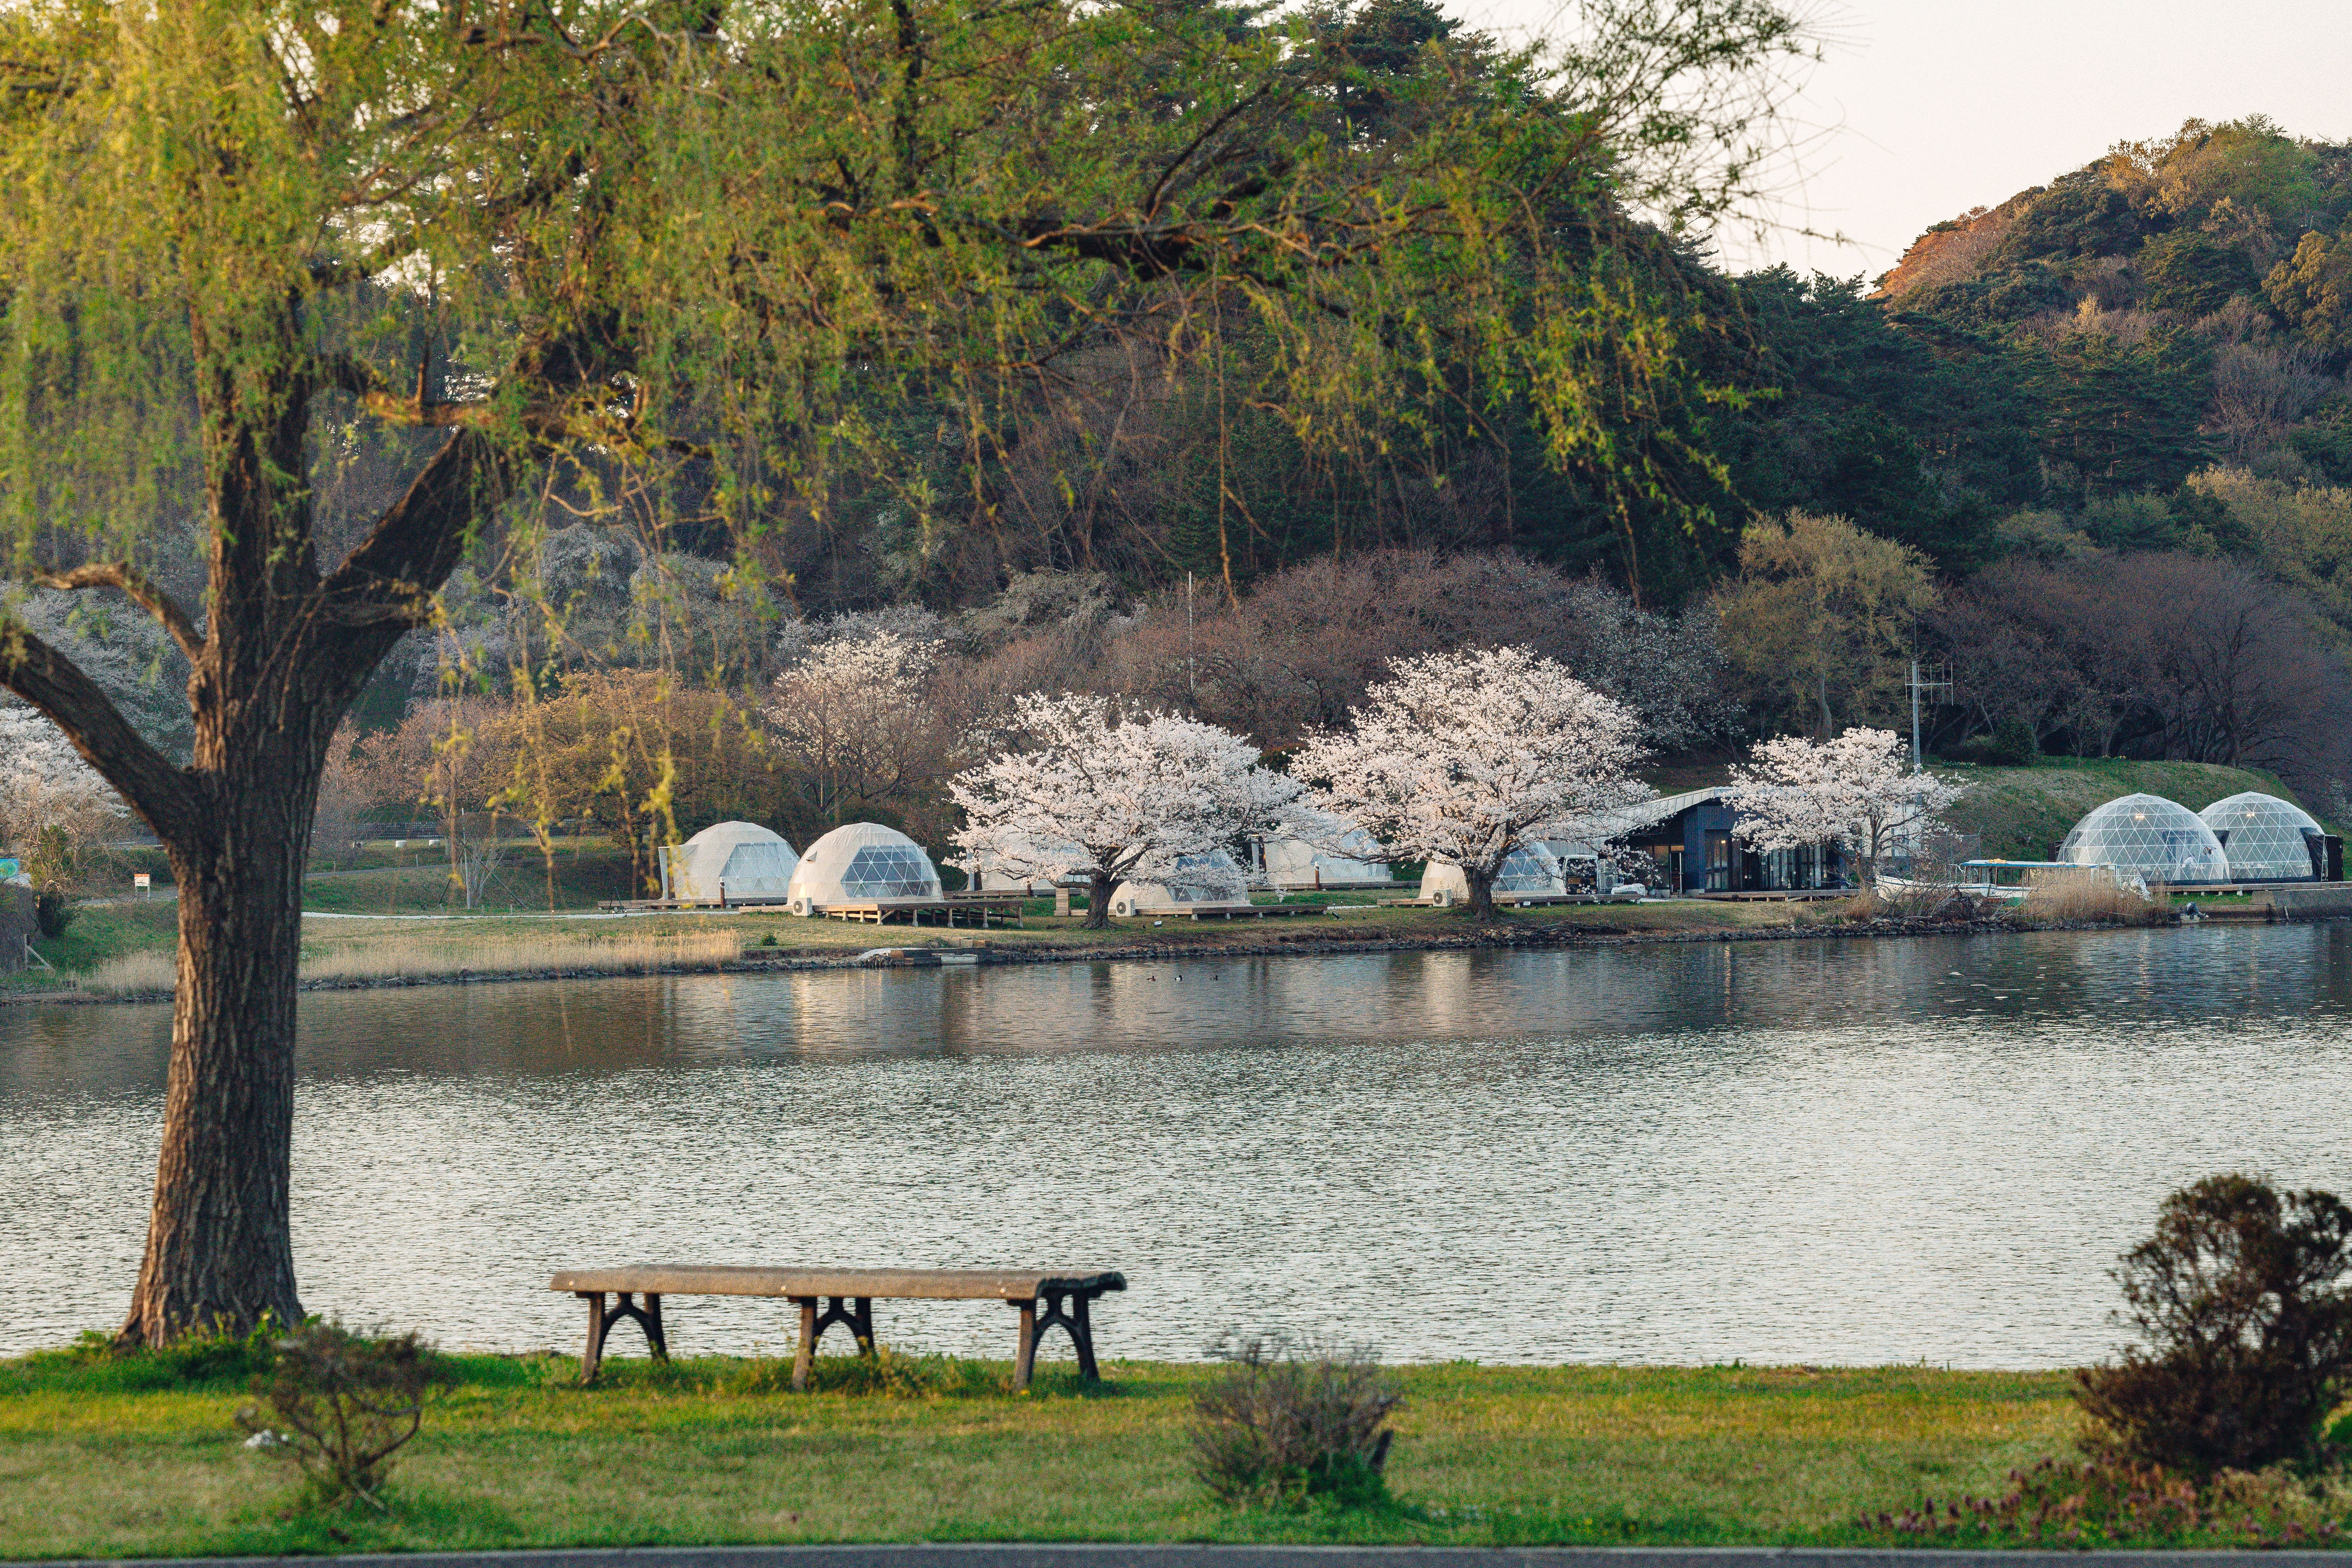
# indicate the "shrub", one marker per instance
pixel 1280 1426
pixel 2119 1502
pixel 341 1405
pixel 2247 1332
pixel 52 913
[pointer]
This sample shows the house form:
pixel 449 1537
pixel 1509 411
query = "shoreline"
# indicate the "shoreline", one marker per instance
pixel 1285 945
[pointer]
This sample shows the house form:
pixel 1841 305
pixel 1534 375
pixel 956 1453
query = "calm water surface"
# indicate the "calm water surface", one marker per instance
pixel 1816 1152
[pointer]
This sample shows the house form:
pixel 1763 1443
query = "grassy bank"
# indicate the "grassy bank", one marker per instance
pixel 516 1456
pixel 126 948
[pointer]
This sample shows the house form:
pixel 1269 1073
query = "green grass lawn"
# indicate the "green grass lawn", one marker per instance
pixel 515 1454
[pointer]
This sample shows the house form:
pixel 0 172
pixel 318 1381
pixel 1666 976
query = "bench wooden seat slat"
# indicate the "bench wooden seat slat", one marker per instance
pixel 848 1294
pixel 911 1284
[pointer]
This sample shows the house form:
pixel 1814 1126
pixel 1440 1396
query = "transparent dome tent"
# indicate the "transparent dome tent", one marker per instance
pixel 730 862
pixel 2145 834
pixel 2266 839
pixel 1529 868
pixel 863 863
pixel 1198 881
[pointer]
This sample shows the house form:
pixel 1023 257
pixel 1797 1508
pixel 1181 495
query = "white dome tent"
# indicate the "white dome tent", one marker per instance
pixel 1294 865
pixel 863 863
pixel 2267 839
pixel 2157 839
pixel 994 877
pixel 1530 868
pixel 1198 881
pixel 729 862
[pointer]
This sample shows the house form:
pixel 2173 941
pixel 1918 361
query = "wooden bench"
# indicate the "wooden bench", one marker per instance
pixel 848 1295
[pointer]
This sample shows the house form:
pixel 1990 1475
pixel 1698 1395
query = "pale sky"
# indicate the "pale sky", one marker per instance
pixel 1926 108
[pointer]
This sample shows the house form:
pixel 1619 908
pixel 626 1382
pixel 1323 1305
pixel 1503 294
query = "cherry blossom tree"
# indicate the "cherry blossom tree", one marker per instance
pixel 853 718
pixel 1857 791
pixel 54 806
pixel 1460 756
pixel 1107 792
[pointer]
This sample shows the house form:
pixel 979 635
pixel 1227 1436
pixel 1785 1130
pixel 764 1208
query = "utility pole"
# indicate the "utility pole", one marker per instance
pixel 1939 678
pixel 1189 688
pixel 1914 716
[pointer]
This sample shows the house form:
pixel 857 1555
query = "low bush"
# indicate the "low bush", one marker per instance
pixel 52 913
pixel 2115 1502
pixel 1281 1427
pixel 341 1405
pixel 2245 1322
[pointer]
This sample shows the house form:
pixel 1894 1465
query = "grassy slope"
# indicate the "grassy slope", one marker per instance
pixel 2023 813
pixel 515 1457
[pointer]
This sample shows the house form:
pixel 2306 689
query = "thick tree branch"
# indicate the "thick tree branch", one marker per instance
pixel 140 590
pixel 390 577
pixel 53 683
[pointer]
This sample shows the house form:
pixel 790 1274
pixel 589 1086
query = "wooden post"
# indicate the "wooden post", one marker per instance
pixel 594 1354
pixel 805 1356
pixel 1026 1357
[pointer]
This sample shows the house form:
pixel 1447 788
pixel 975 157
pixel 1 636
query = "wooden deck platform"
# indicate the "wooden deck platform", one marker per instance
pixel 978 912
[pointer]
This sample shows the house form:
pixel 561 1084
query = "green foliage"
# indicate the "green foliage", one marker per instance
pixel 2243 1306
pixel 2190 271
pixel 96 1363
pixel 2312 290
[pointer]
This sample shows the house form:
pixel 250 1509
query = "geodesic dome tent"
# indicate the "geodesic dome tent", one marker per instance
pixel 1529 868
pixel 862 863
pixel 1294 863
pixel 1210 881
pixel 993 874
pixel 734 862
pixel 2158 839
pixel 2266 839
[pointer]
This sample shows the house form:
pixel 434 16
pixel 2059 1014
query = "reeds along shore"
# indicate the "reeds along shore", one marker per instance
pixel 404 955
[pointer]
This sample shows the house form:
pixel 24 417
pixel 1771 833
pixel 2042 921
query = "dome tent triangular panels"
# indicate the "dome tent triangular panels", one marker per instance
pixel 863 863
pixel 734 861
pixel 1530 867
pixel 2266 839
pixel 1196 881
pixel 2157 839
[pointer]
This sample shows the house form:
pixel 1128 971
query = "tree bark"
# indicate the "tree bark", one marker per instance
pixel 286 652
pixel 1098 891
pixel 1481 893
pixel 219 1246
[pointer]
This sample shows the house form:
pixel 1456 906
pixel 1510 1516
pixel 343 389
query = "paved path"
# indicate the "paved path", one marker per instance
pixel 1015 1556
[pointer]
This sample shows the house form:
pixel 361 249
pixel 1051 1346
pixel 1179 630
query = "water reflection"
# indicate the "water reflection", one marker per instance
pixel 1831 1152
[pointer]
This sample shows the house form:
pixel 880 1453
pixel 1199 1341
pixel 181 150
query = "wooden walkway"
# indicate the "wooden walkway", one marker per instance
pixel 977 912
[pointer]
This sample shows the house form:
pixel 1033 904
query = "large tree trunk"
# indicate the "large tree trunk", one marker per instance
pixel 1098 891
pixel 1481 906
pixel 219 1252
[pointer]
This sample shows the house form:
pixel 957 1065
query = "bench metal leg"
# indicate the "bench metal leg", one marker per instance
pixel 1065 1310
pixel 602 1318
pixel 856 1312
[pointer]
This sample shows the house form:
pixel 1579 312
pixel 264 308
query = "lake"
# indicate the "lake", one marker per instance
pixel 1833 1152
